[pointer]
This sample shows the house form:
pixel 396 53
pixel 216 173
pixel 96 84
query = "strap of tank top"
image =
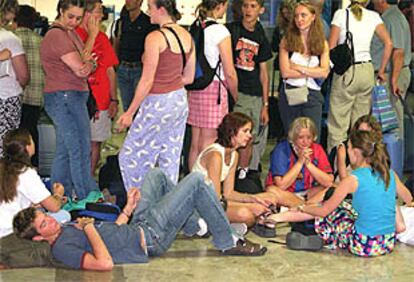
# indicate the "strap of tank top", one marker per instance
pixel 180 44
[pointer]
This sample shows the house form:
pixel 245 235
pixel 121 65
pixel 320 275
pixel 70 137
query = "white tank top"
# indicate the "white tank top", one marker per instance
pixel 302 60
pixel 215 147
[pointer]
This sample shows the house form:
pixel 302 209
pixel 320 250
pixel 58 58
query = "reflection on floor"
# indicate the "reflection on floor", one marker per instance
pixel 196 260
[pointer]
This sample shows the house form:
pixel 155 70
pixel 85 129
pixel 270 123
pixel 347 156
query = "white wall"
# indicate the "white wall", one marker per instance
pixel 48 7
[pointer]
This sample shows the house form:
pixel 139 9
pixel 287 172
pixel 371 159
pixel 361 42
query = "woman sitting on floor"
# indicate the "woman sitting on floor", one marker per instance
pixel 368 226
pixel 299 167
pixel 20 185
pixel 219 161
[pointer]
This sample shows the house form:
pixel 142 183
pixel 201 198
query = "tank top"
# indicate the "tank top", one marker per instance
pixel 168 75
pixel 215 147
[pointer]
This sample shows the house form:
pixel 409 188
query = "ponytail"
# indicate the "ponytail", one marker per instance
pixel 356 8
pixel 375 152
pixel 205 8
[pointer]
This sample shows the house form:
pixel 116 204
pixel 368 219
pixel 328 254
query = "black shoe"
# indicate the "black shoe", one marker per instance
pixel 298 241
pixel 245 247
pixel 262 230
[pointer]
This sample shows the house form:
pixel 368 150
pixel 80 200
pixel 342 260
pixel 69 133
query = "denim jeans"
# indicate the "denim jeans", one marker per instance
pixel 164 209
pixel 311 109
pixel 72 162
pixel 127 81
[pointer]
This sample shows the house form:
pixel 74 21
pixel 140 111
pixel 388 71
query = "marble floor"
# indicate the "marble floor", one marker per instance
pixel 196 260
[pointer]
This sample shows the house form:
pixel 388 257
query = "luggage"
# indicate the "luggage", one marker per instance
pixel 395 150
pixel 110 177
pixel 47 148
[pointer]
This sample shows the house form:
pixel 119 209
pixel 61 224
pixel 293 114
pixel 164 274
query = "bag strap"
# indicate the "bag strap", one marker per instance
pixel 349 40
pixel 180 44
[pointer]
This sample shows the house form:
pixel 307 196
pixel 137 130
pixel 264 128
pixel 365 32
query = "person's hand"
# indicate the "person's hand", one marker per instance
pixel 264 115
pixel 58 189
pixel 113 109
pixel 307 154
pixel 301 153
pixel 133 197
pixel 262 199
pixel 258 209
pixel 124 121
pixel 86 69
pixel 5 54
pixel 395 89
pixel 294 209
pixel 81 222
pixel 93 27
pixel 381 77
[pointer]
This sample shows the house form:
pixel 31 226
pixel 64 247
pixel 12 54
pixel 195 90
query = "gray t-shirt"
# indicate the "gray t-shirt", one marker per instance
pixel 399 31
pixel 123 243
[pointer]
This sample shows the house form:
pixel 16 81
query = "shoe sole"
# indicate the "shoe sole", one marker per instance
pixel 262 251
pixel 263 231
pixel 298 241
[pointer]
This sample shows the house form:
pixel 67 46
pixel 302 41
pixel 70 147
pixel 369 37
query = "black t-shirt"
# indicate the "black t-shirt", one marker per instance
pixel 133 36
pixel 249 50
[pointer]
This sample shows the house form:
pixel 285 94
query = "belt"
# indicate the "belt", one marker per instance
pixel 130 64
pixel 362 62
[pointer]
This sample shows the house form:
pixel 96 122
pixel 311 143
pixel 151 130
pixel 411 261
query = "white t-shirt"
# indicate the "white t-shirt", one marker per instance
pixel 9 86
pixel 30 190
pixel 362 31
pixel 302 60
pixel 213 36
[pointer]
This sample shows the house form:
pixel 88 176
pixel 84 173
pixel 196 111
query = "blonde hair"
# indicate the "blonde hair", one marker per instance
pixel 356 8
pixel 300 123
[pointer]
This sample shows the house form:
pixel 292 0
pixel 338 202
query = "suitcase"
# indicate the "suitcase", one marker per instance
pixel 395 150
pixel 47 148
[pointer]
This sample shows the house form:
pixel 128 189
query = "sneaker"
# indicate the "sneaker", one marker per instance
pixel 262 230
pixel 298 241
pixel 240 228
pixel 245 247
pixel 243 172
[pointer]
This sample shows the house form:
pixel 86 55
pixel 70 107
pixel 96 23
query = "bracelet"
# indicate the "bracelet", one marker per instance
pixel 266 104
pixel 125 214
pixel 114 100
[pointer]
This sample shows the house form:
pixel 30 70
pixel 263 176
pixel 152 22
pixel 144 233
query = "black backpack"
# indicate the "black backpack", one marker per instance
pixel 204 73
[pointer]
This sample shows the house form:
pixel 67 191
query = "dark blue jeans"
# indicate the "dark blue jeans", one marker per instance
pixel 312 109
pixel 72 162
pixel 165 208
pixel 128 78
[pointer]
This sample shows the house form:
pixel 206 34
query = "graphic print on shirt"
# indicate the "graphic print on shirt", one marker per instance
pixel 248 49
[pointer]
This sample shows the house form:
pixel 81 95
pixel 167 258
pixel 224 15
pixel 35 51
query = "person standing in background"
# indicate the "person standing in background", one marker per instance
pixel 102 83
pixel 32 95
pixel 132 29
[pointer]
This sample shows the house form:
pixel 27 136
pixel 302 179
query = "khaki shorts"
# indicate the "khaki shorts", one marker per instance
pixel 101 127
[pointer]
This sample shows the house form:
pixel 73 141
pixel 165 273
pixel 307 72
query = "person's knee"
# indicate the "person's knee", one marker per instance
pixel 245 215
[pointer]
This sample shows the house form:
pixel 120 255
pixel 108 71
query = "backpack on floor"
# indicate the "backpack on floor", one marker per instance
pixel 110 178
pixel 204 73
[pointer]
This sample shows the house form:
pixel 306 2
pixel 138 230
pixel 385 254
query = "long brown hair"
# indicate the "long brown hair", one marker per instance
pixel 373 151
pixel 316 36
pixel 15 162
pixel 373 123
pixel 230 126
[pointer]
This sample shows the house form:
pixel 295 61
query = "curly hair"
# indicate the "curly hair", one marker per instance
pixel 23 225
pixel 372 122
pixel 316 37
pixel 230 126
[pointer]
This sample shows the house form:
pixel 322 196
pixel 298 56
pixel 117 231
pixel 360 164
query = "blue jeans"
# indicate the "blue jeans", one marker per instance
pixel 164 209
pixel 311 109
pixel 72 162
pixel 127 81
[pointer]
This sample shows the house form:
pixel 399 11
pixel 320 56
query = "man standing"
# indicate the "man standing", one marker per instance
pixel 33 93
pixel 102 82
pixel 131 30
pixel 397 72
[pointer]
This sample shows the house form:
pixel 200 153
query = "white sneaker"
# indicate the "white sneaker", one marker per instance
pixel 239 228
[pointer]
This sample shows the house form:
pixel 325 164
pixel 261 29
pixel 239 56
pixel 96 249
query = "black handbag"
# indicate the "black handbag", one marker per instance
pixel 342 56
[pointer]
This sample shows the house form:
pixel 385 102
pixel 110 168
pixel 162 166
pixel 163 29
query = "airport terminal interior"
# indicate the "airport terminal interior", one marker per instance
pixel 195 259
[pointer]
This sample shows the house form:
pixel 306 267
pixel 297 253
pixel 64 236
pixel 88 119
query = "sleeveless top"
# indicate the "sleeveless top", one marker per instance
pixel 300 59
pixel 215 147
pixel 374 203
pixel 169 73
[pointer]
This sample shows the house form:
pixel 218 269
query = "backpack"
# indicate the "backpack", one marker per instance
pixel 204 73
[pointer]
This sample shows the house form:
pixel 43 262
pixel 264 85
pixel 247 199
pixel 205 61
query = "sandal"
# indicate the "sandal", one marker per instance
pixel 264 231
pixel 245 247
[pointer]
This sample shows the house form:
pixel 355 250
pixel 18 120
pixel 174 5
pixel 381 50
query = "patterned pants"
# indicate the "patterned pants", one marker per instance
pixel 10 114
pixel 155 137
pixel 338 231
